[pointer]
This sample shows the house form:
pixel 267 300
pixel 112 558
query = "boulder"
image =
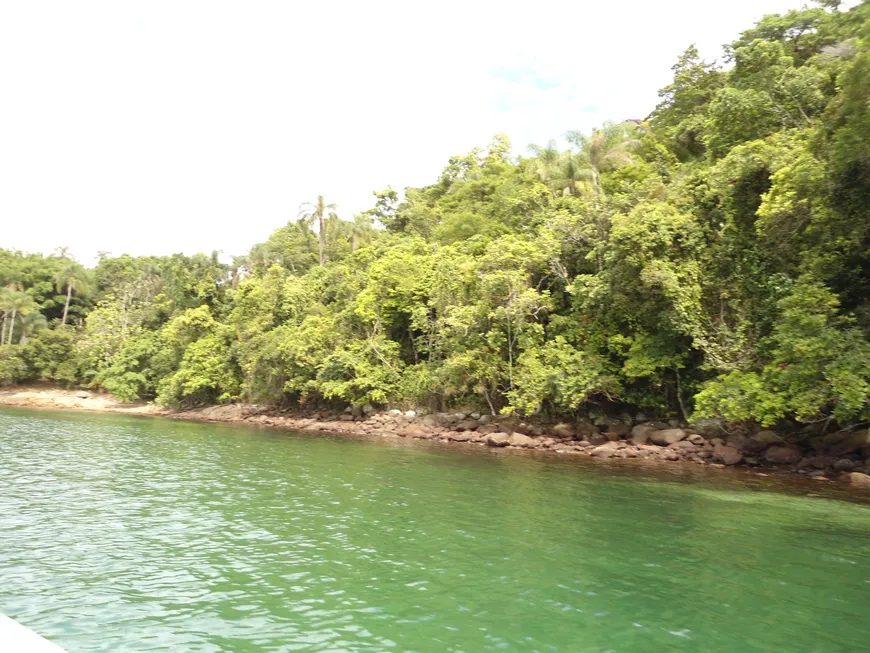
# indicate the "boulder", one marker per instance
pixel 394 413
pixel 596 438
pixel 585 429
pixel 619 429
pixel 640 433
pixel 497 439
pixel 855 478
pixel 83 394
pixel 665 437
pixel 487 429
pixel 368 409
pixel 418 433
pixel 761 441
pixel 410 414
pixel 602 452
pixel 462 436
pixel 696 439
pixel 483 420
pixel 432 421
pixel 709 428
pixel 520 440
pixel 683 446
pixel 844 465
pixel 727 455
pixel 563 430
pixel 474 416
pixel 783 455
pixel 346 417
pixel 854 442
pixel 466 425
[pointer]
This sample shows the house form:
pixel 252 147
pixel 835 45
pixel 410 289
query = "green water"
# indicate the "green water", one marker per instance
pixel 120 533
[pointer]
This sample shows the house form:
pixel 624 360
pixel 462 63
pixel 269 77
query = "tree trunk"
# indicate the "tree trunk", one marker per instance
pixel 12 326
pixel 320 238
pixel 66 305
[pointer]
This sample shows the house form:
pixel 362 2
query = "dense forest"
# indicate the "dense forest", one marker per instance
pixel 710 260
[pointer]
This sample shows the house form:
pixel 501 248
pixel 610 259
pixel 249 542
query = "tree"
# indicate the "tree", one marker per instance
pixel 321 214
pixel 71 277
pixel 605 149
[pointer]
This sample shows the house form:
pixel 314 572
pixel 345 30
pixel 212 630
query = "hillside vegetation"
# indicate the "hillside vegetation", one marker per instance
pixel 711 260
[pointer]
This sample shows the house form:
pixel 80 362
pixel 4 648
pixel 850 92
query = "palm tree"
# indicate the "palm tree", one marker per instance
pixel 606 149
pixel 31 323
pixel 321 214
pixel 16 304
pixel 71 276
pixel 361 231
pixel 546 161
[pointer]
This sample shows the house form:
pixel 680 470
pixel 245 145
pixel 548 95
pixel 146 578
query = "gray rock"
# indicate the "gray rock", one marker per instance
pixel 483 420
pixel 727 455
pixel 475 416
pixel 83 394
pixel 563 430
pixel 683 446
pixel 855 478
pixel 596 438
pixel 640 433
pixel 844 465
pixel 619 429
pixel 394 412
pixel 497 439
pixel 368 409
pixel 466 425
pixel 783 455
pixel 602 452
pixel 520 440
pixel 696 439
pixel 410 414
pixel 345 417
pixel 665 437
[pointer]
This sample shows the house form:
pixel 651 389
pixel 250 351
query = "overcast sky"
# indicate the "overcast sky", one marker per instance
pixel 157 127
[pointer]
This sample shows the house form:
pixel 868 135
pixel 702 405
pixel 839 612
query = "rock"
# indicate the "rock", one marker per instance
pixel 458 417
pixel 483 420
pixel 760 441
pixel 619 429
pixel 346 417
pixel 418 433
pixel 735 440
pixel 488 428
pixel 844 465
pixel 368 409
pixel 640 433
pixel 431 421
pixel 520 440
pixel 462 436
pixel 356 411
pixel 727 455
pixel 709 428
pixel 665 437
pixel 596 438
pixel 669 454
pixel 475 416
pixel 497 439
pixel 602 452
pixel 585 429
pixel 855 478
pixel 394 412
pixel 83 394
pixel 563 430
pixel 783 455
pixel 683 446
pixel 696 439
pixel 851 444
pixel 466 425
pixel 410 414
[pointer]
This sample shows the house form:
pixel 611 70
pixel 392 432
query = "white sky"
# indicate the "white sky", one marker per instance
pixel 157 127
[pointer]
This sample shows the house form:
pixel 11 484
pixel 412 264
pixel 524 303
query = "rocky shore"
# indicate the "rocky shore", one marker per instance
pixel 843 456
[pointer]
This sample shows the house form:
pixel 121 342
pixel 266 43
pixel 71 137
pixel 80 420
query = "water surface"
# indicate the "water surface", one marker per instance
pixel 121 533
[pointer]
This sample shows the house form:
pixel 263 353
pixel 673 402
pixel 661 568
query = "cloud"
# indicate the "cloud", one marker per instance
pixel 156 127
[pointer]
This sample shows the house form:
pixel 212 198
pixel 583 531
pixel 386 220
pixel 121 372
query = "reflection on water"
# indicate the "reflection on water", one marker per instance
pixel 119 533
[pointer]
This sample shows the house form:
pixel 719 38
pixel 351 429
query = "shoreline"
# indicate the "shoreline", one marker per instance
pixel 842 460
